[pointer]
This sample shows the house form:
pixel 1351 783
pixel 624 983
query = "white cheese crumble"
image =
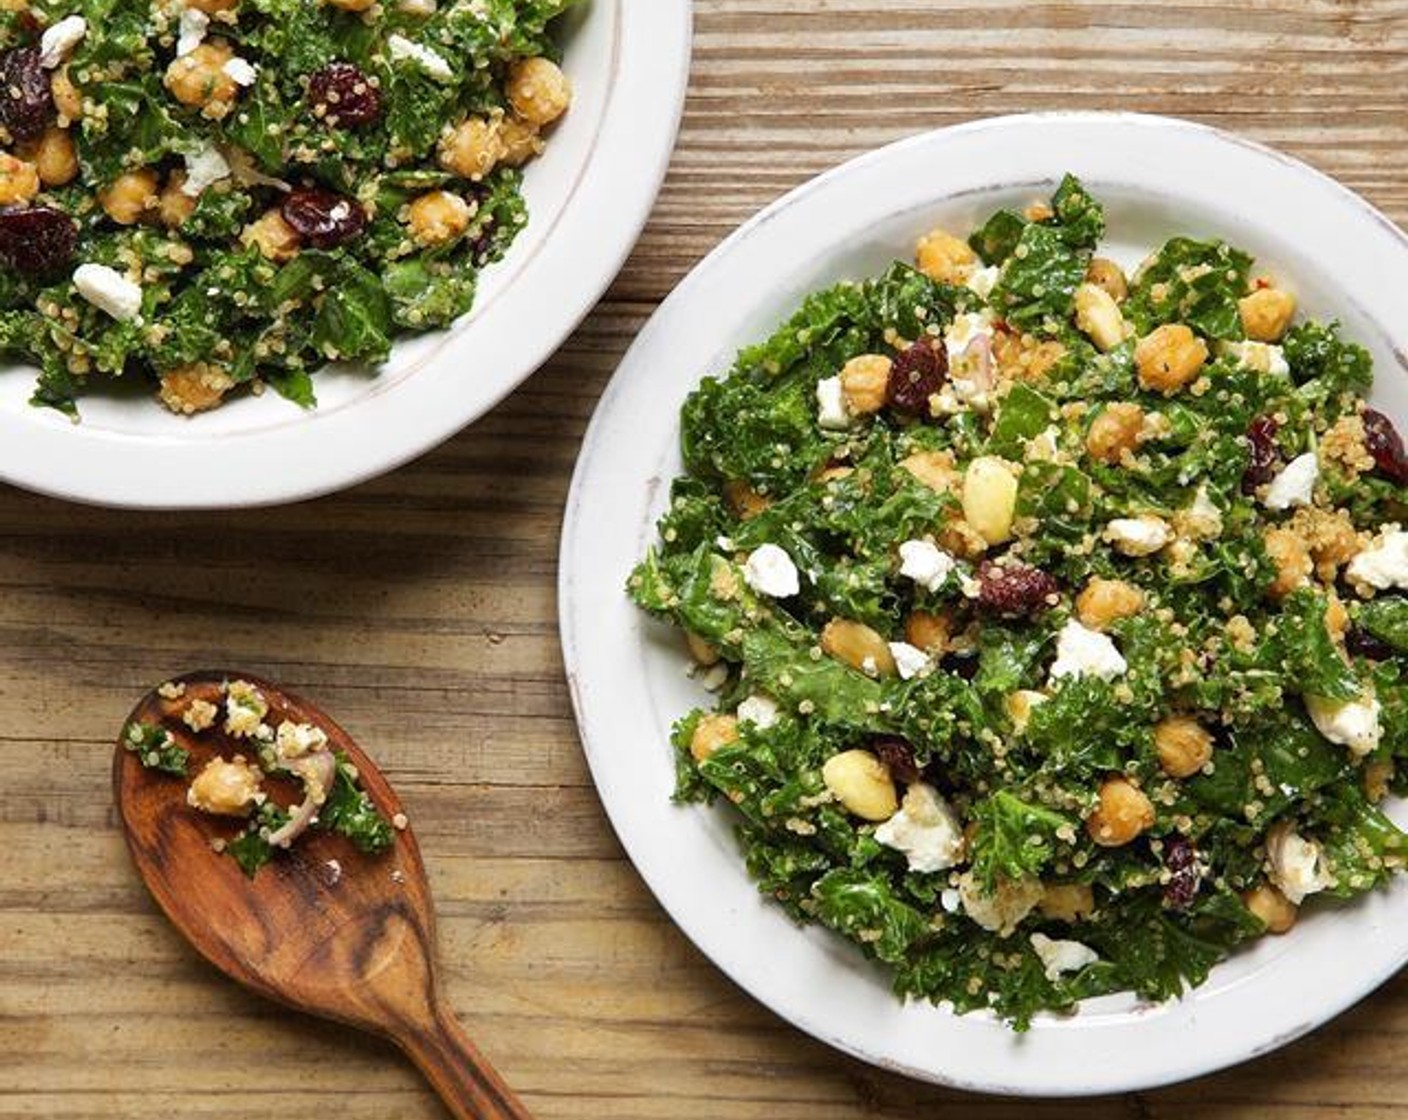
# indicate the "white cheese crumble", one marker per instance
pixel 761 711
pixel 1082 652
pixel 982 281
pixel 1061 956
pixel 1138 536
pixel 1297 865
pixel 191 31
pixel 1350 723
pixel 203 169
pixel 240 71
pixel 1203 519
pixel 961 333
pixel 1295 485
pixel 108 290
pixel 428 60
pixel 57 42
pixel 1384 563
pixel 297 739
pixel 926 830
pixel 968 341
pixel 831 411
pixel 926 564
pixel 770 571
pixel 1260 356
pixel 1001 911
pixel 909 660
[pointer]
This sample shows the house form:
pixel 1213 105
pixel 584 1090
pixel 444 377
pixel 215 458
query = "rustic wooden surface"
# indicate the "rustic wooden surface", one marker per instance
pixel 420 611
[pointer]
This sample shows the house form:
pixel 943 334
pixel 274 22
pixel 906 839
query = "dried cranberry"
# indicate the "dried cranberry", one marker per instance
pixel 916 375
pixel 26 103
pixel 897 756
pixel 1181 859
pixel 323 219
pixel 341 96
pixel 964 665
pixel 1263 454
pixel 1361 643
pixel 36 241
pixel 1383 442
pixel 1014 589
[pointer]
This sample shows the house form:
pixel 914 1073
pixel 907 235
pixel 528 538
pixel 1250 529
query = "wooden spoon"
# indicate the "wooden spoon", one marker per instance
pixel 322 927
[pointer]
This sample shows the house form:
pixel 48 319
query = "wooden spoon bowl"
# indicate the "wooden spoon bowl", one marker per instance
pixel 322 927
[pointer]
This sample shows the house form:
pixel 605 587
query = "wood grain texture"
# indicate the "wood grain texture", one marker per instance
pixel 419 610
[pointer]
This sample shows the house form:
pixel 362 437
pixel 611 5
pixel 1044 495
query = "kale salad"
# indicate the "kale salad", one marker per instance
pixel 206 195
pixel 1054 614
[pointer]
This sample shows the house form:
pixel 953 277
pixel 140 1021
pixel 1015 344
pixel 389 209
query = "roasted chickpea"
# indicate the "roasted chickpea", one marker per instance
pixel 439 217
pixel 1266 313
pixel 67 100
pixel 1067 902
pixel 712 732
pixel 54 157
pixel 19 180
pixel 1292 559
pixel 1378 773
pixel 935 470
pixel 1108 275
pixel 745 502
pixel 210 7
pixel 864 383
pixel 943 257
pixel 1275 910
pixel 130 197
pixel 860 782
pixel 272 236
pixel 1183 744
pixel 228 788
pixel 1122 814
pixel 175 205
pixel 193 388
pixel 199 80
pixel 1169 357
pixel 472 148
pixel 521 141
pixel 1104 601
pixel 1038 212
pixel 928 631
pixel 538 90
pixel 1115 431
pixel 858 646
pixel 704 653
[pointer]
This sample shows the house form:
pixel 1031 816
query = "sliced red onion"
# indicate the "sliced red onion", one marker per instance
pixel 317 772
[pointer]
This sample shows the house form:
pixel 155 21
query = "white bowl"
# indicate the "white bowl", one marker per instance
pixel 588 197
pixel 1157 177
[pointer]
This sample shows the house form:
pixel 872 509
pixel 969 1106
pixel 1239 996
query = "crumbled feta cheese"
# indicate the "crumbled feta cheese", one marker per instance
pixel 199 714
pixel 1384 563
pixel 1138 536
pixel 926 564
pixel 909 660
pixel 428 60
pixel 761 711
pixel 1003 910
pixel 926 830
pixel 58 41
pixel 1061 956
pixel 203 169
pixel 1350 723
pixel 296 739
pixel 770 571
pixel 1296 865
pixel 831 411
pixel 1260 356
pixel 1082 652
pixel 1203 519
pixel 108 290
pixel 968 342
pixel 240 71
pixel 1295 485
pixel 981 281
pixel 245 709
pixel 962 331
pixel 191 33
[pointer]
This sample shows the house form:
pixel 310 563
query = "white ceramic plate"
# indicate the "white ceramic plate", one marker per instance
pixel 1156 177
pixel 588 197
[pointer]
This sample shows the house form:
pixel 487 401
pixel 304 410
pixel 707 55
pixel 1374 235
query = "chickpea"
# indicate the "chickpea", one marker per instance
pixel 1038 212
pixel 1378 773
pixel 1115 431
pixel 712 732
pixel 439 217
pixel 1266 313
pixel 745 502
pixel 352 5
pixel 1122 814
pixel 943 257
pixel 1107 274
pixel 67 100
pixel 1104 601
pixel 704 653
pixel 272 236
pixel 928 631
pixel 538 90
pixel 521 141
pixel 210 7
pixel 175 205
pixel 860 782
pixel 1098 317
pixel 197 387
pixel 54 157
pixel 472 148
pixel 226 788
pixel 858 646
pixel 199 80
pixel 1169 357
pixel 865 382
pixel 19 180
pixel 1292 560
pixel 935 470
pixel 129 197
pixel 990 498
pixel 1275 910
pixel 1067 902
pixel 1183 744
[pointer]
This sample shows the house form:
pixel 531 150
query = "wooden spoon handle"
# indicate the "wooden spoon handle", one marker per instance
pixel 468 1085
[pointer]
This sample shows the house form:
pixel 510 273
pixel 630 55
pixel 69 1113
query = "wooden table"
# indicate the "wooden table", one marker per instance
pixel 420 610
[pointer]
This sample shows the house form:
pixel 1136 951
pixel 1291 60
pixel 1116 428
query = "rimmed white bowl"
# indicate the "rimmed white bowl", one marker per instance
pixel 588 197
pixel 1157 177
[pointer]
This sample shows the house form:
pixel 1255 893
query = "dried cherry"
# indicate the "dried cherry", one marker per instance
pixel 1383 442
pixel 36 241
pixel 1263 454
pixel 26 103
pixel 916 374
pixel 341 96
pixel 1361 643
pixel 897 756
pixel 1015 589
pixel 323 218
pixel 1181 859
